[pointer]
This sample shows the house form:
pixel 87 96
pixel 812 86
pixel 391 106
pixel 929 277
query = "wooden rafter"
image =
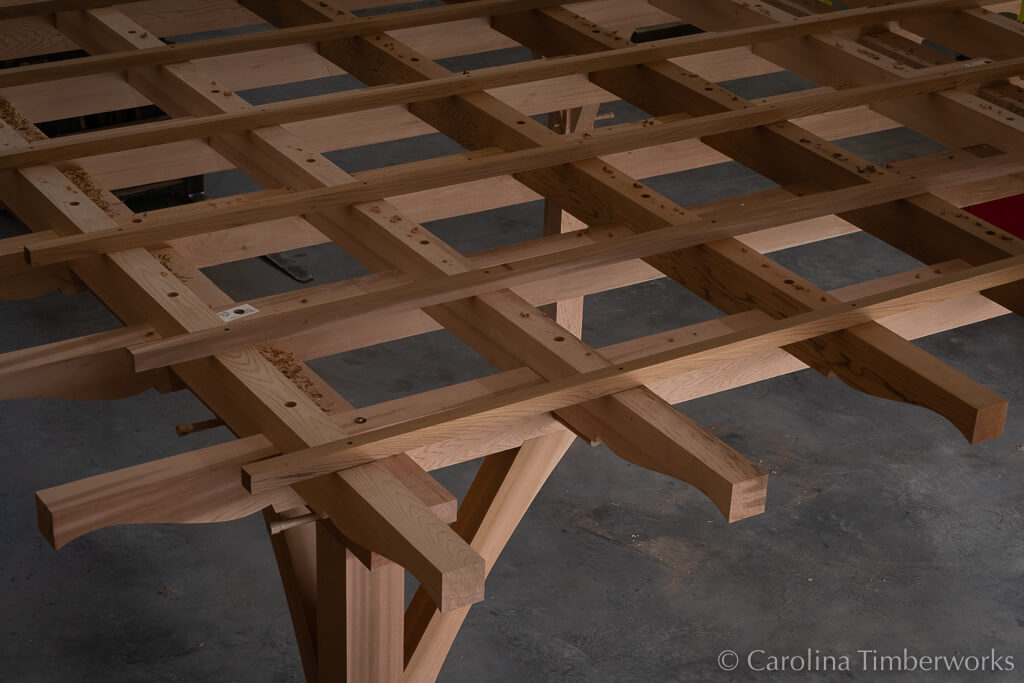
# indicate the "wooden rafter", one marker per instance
pixel 345 493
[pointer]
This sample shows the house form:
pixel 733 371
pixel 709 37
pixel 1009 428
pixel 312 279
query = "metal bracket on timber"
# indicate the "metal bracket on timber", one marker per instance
pixel 346 494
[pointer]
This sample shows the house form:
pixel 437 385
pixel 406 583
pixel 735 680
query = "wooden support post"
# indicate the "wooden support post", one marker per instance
pixel 502 491
pixel 296 551
pixel 244 388
pixel 924 227
pixel 568 312
pixel 359 615
pixel 298 447
pixel 376 510
pixel 506 483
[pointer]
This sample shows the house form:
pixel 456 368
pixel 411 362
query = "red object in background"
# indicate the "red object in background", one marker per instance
pixel 1007 213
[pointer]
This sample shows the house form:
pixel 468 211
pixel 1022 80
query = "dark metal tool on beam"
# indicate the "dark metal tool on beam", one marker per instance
pixel 673 29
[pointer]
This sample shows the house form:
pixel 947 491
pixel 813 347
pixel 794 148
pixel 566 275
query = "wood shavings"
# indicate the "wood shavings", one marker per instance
pixel 15 120
pixel 84 182
pixel 289 366
pixel 168 263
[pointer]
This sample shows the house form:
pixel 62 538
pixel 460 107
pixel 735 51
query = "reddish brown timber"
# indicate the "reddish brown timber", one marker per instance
pixel 491 414
pixel 90 367
pixel 373 185
pixel 422 294
pixel 173 477
pixel 169 54
pixel 161 132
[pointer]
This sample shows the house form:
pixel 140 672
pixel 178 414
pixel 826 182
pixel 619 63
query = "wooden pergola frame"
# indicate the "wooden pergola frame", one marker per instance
pixel 346 493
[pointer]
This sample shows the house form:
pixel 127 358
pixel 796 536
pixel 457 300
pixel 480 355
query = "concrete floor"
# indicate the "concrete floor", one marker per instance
pixel 884 529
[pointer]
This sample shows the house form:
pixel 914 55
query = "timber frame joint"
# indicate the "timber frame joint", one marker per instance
pixel 346 494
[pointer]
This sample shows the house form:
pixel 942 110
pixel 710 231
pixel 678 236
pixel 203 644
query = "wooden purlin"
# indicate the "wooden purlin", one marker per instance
pixel 158 55
pixel 102 29
pixel 158 488
pixel 16 9
pixel 728 275
pixel 735 486
pixel 268 386
pixel 156 491
pixel 290 233
pixel 88 95
pixel 272 236
pixel 461 168
pixel 406 296
pixel 346 605
pixel 927 229
pixel 909 375
pixel 162 132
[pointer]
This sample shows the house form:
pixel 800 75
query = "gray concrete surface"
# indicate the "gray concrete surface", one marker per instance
pixel 884 530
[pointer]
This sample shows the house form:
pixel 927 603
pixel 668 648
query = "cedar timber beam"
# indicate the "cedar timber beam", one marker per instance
pixel 870 359
pixel 926 228
pixel 345 493
pixel 499 411
pixel 907 373
pixel 735 486
pixel 159 488
pixel 287 415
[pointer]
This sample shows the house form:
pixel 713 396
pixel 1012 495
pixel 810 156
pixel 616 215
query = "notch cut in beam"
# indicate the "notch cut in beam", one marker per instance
pixel 489 414
pixel 154 491
pixel 443 290
pixel 175 130
pixel 378 512
pixel 432 174
pixel 215 47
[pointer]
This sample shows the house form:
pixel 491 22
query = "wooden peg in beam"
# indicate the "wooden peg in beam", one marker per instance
pixel 375 509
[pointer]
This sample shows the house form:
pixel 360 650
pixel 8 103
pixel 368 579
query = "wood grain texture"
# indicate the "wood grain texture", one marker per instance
pixel 36 35
pixel 422 294
pixel 733 278
pixel 499 496
pixel 245 390
pixel 295 552
pixel 509 332
pixel 423 176
pixel 247 241
pixel 929 229
pixel 163 495
pixel 381 513
pixel 88 95
pixel 374 509
pixel 93 367
pixel 371 500
pixel 491 414
pixel 168 54
pixel 163 132
pixel 156 492
pixel 365 644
